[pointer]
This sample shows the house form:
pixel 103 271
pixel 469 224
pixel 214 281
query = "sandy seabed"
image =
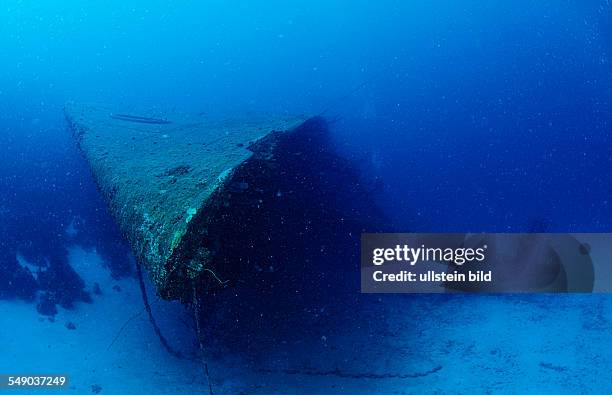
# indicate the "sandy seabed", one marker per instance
pixel 417 344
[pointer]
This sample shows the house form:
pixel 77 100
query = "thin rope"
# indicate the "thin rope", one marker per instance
pixel 125 324
pixel 216 278
pixel 145 300
pixel 196 313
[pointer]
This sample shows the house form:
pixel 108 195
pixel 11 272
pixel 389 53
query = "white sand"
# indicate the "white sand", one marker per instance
pixel 549 344
pixel 135 364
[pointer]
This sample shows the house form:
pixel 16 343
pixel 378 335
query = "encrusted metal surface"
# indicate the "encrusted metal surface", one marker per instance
pixel 158 175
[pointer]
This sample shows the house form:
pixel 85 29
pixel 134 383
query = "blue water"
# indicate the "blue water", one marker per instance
pixel 473 116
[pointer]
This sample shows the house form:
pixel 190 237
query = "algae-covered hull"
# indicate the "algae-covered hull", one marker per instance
pixel 168 181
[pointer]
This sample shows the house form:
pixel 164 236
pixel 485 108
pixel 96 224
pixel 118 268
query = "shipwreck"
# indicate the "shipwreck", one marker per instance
pixel 202 201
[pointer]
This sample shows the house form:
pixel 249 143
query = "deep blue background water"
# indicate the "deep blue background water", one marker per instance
pixel 477 116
